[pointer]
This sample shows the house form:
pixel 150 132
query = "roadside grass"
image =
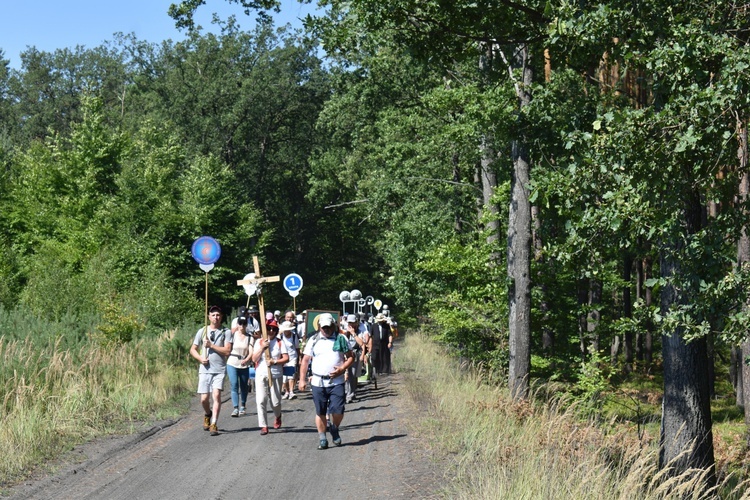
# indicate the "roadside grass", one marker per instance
pixel 537 449
pixel 58 391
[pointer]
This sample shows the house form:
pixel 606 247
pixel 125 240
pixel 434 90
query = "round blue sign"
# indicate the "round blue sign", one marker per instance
pixel 206 250
pixel 293 282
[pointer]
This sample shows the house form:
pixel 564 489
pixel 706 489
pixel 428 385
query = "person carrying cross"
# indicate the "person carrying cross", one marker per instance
pixel 331 357
pixel 273 365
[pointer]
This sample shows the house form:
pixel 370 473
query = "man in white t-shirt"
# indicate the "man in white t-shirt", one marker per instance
pixel 289 337
pixel 331 357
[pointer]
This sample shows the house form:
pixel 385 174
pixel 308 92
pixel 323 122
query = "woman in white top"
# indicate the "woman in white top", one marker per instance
pixel 278 356
pixel 238 367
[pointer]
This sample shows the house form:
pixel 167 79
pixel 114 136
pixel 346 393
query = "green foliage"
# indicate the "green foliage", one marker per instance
pixel 118 325
pixel 593 380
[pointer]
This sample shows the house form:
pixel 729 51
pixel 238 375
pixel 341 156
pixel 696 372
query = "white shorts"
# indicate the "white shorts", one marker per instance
pixel 208 382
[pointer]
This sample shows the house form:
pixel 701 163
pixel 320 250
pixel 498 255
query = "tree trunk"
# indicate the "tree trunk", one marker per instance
pixel 744 357
pixel 488 179
pixel 548 334
pixel 686 440
pixel 627 312
pixel 594 316
pixel 519 251
pixel 639 295
pixel 648 344
pixel 735 375
pixel 743 260
pixel 487 170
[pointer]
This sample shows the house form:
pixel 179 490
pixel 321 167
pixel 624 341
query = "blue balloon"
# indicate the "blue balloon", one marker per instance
pixel 206 250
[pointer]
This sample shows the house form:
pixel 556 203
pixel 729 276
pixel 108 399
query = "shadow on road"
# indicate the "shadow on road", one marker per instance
pixel 374 439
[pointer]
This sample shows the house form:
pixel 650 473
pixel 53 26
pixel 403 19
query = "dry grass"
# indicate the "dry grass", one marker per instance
pixel 502 449
pixel 53 398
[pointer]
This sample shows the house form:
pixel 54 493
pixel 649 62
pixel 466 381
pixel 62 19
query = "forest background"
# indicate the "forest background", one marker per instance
pixel 555 190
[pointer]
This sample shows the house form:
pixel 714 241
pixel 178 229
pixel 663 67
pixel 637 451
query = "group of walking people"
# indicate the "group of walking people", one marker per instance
pixel 329 361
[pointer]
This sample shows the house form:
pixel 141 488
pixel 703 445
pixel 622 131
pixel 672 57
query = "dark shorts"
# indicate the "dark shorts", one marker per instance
pixel 329 400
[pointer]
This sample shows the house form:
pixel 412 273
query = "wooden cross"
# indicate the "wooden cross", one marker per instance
pixel 258 280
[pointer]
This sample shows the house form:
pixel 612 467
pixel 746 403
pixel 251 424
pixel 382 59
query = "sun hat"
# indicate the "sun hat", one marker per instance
pixel 287 326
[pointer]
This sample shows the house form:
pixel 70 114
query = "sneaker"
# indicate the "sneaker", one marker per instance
pixel 242 410
pixel 292 396
pixel 207 421
pixel 323 444
pixel 235 412
pixel 277 423
pixel 285 396
pixel 263 431
pixel 214 430
pixel 335 435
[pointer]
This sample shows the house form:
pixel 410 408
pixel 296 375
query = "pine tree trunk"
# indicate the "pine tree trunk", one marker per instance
pixel 519 251
pixel 743 259
pixel 735 375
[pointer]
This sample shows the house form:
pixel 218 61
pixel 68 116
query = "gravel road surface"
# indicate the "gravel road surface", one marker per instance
pixel 379 458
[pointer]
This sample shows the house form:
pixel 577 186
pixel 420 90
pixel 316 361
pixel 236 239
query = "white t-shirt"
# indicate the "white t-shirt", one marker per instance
pixel 276 348
pixel 292 345
pixel 364 332
pixel 324 359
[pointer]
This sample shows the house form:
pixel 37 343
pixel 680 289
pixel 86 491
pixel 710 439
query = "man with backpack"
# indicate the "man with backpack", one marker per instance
pixel 331 357
pixel 211 347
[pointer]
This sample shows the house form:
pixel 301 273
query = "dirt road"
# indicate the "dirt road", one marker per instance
pixel 179 460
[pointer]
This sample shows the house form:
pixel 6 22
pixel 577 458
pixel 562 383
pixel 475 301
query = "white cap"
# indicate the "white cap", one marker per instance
pixel 351 318
pixel 325 319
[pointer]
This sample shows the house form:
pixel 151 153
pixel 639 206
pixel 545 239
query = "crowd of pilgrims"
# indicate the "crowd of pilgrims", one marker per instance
pixel 271 367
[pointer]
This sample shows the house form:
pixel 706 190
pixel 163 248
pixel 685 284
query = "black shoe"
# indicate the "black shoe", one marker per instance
pixel 323 444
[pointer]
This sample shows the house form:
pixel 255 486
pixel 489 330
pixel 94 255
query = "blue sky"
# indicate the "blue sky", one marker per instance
pixel 56 24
